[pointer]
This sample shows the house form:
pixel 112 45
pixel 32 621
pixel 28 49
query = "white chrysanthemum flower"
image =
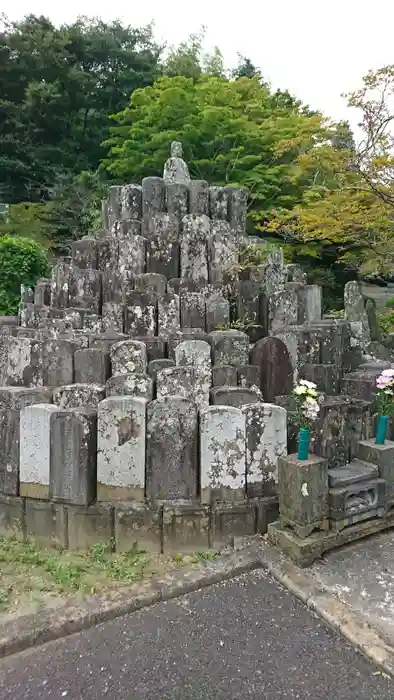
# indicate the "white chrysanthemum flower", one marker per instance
pixel 300 390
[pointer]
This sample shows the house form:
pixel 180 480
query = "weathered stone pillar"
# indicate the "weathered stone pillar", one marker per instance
pixel 230 347
pixel 121 448
pixel 222 454
pixel 171 464
pixel 12 401
pixel 196 355
pixel 128 356
pixel 35 424
pixel 74 456
pixel 194 239
pixel 92 366
pixel 266 441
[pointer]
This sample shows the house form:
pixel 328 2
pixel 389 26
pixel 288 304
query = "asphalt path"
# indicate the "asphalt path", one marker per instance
pixel 245 638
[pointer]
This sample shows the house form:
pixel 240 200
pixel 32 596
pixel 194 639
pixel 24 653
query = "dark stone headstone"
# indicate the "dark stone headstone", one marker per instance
pixel 249 376
pixel 171 459
pixel 325 377
pixel 156 366
pixel 192 308
pixel 374 328
pixel 224 375
pixel 276 371
pixel 73 460
pixel 162 252
pixel 153 198
pixel 156 347
pixel 91 366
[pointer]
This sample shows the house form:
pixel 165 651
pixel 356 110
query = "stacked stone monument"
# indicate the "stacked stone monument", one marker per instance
pixel 133 409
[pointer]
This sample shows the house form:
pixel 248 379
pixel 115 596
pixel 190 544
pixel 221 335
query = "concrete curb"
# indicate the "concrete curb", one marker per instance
pixel 336 614
pixel 46 626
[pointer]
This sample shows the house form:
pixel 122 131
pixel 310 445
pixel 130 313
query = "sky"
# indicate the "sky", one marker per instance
pixel 316 50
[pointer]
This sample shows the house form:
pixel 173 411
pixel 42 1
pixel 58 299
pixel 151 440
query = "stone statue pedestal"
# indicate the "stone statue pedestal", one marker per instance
pixel 303 494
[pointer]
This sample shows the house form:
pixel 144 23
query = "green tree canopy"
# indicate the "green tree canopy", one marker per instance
pixel 57 88
pixel 233 132
pixel 348 204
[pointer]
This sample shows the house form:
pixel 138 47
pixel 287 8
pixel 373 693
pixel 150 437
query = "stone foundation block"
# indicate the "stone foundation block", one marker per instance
pixel 88 525
pixel 303 493
pixel 358 498
pixel 185 528
pixel 383 457
pixel 267 512
pixel 11 516
pixel 46 523
pixel 138 526
pixel 232 520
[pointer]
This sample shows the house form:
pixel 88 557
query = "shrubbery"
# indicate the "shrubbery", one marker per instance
pixel 22 261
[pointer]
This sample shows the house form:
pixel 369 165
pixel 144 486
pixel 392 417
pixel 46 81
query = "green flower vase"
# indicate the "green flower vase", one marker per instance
pixel 381 430
pixel 304 437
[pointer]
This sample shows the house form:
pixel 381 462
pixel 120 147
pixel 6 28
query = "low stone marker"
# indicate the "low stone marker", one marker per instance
pixel 92 366
pixel 134 384
pixel 234 396
pixel 77 395
pixel 230 347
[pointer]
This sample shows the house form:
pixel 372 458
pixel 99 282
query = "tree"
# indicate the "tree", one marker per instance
pixel 189 60
pixel 74 209
pixel 245 69
pixel 233 132
pixel 22 262
pixel 349 203
pixel 57 88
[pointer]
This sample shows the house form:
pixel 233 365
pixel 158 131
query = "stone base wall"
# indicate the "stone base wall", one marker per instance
pixel 161 529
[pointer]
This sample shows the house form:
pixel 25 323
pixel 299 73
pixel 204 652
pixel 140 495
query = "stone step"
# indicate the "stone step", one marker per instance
pixel 352 473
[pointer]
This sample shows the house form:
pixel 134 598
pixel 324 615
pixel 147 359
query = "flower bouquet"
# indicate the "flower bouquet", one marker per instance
pixel 306 412
pixel 385 403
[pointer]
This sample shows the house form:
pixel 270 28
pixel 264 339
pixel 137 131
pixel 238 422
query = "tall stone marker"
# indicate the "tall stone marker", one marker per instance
pixel 171 464
pixel 222 450
pixel 276 371
pixel 121 448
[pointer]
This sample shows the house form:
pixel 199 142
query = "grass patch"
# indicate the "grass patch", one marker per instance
pixel 32 577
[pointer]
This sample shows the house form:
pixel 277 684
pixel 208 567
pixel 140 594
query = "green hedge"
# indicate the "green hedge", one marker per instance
pixel 22 261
